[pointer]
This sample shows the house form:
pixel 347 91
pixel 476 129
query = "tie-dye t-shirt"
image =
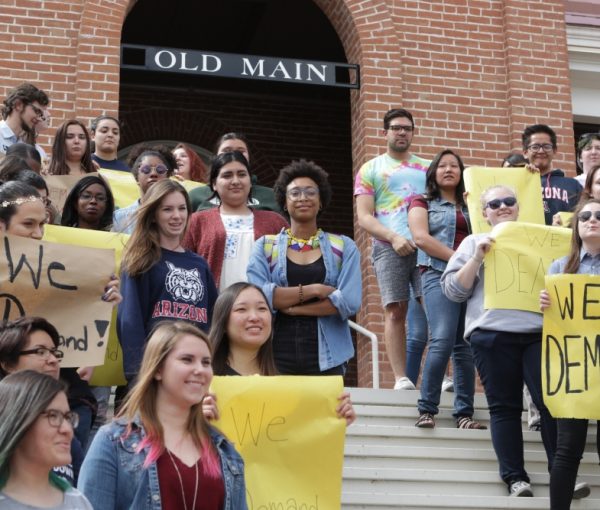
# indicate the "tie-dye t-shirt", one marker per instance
pixel 392 183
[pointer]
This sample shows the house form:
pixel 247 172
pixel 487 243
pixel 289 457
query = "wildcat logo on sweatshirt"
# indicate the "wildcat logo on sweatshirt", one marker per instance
pixel 184 284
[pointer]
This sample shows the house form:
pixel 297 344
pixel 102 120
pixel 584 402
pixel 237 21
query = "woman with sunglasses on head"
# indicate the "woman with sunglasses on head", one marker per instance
pixel 224 235
pixel 572 433
pixel 506 346
pixel 149 165
pixel 71 152
pixel 311 278
pixel 106 134
pixel 439 221
pixel 160 279
pixel 36 429
pixel 160 452
pixel 189 165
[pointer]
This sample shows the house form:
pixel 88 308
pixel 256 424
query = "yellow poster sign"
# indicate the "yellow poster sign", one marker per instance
pixel 123 186
pixel 525 183
pixel 289 436
pixel 516 265
pixel 571 347
pixel 111 372
pixel 126 191
pixel 57 283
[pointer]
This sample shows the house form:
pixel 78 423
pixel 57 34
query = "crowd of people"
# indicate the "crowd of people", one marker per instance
pixel 235 279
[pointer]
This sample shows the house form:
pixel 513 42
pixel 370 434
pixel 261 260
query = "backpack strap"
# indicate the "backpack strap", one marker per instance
pixel 337 247
pixel 271 251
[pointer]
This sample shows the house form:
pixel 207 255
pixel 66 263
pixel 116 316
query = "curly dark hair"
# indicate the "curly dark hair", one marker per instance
pixel 160 151
pixel 302 168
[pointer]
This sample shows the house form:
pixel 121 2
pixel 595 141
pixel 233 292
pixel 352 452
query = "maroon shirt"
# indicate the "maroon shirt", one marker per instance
pixel 211 491
pixel 462 227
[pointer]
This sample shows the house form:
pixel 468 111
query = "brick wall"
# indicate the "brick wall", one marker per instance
pixel 474 73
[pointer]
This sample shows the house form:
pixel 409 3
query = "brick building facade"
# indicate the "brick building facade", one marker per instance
pixel 474 74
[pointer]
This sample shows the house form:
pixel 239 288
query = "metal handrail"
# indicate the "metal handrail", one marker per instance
pixel 374 350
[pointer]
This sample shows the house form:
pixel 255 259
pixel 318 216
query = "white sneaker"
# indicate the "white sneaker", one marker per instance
pixel 520 489
pixel 404 383
pixel 582 490
pixel 448 384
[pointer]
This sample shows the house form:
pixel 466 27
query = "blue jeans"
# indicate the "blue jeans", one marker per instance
pixel 504 361
pixel 447 325
pixel 416 338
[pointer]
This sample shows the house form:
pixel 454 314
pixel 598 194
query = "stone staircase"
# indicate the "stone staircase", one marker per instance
pixel 389 463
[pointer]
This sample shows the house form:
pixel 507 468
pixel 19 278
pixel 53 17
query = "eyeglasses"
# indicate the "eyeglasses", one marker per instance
pixel 44 353
pixel 88 197
pixel 160 169
pixel 56 418
pixel 399 127
pixel 586 215
pixel 38 112
pixel 536 147
pixel 297 193
pixel 496 203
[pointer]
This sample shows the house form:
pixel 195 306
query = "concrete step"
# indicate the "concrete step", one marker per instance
pixel 418 501
pixel 389 463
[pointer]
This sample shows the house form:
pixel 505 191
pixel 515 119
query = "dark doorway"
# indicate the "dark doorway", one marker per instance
pixel 283 121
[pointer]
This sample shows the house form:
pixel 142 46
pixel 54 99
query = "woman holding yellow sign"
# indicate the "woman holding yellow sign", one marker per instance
pixel 506 346
pixel 572 433
pixel 160 452
pixel 241 336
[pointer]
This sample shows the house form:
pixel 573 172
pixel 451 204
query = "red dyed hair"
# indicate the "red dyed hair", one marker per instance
pixel 198 170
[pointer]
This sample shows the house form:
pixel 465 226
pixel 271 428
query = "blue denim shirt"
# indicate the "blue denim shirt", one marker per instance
pixel 442 225
pixel 335 342
pixel 113 477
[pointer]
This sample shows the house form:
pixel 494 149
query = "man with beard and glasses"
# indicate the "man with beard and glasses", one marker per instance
pixel 383 188
pixel 23 108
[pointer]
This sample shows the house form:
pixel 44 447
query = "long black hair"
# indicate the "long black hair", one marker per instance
pixel 432 189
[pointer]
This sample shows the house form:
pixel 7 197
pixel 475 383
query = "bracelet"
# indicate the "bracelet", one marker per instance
pixel 300 294
pixel 477 260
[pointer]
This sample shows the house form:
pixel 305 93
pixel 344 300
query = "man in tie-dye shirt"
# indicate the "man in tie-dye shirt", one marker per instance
pixel 383 189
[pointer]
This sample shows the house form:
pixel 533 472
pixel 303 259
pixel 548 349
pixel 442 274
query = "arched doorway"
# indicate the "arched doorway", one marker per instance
pixel 283 121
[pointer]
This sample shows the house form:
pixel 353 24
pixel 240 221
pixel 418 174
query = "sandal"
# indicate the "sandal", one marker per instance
pixel 425 421
pixel 466 422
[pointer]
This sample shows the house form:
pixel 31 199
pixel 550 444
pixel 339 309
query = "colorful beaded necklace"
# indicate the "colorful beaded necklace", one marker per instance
pixel 297 244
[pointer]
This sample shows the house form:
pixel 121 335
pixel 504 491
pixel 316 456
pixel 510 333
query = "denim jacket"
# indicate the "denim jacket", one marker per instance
pixel 442 225
pixel 113 477
pixel 335 342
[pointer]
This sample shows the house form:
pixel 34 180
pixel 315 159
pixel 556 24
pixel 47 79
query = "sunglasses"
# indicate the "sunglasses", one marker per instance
pixel 586 215
pixel 160 169
pixel 496 203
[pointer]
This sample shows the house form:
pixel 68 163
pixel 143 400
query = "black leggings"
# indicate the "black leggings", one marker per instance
pixel 572 435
